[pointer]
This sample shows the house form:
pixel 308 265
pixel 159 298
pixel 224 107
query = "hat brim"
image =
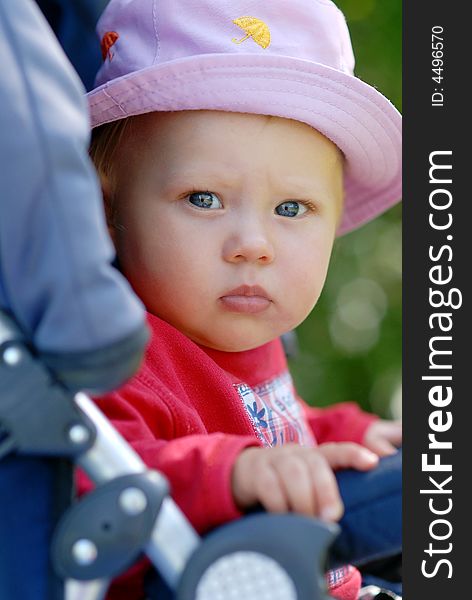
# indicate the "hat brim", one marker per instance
pixel 351 113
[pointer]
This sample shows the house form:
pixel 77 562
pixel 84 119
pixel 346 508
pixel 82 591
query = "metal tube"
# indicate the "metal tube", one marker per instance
pixel 95 589
pixel 180 541
pixel 111 455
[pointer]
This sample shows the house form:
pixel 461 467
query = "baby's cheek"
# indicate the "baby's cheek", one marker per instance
pixel 300 292
pixel 310 276
pixel 310 293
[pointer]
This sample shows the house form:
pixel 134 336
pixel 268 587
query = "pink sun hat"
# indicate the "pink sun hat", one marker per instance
pixel 285 58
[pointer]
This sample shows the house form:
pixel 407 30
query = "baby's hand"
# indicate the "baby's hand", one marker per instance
pixel 383 437
pixel 296 478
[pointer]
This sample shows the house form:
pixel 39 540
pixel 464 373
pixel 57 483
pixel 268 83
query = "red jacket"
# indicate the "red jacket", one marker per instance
pixel 191 410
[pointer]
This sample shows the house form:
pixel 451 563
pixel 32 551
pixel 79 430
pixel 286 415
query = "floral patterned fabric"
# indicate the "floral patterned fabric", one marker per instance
pixel 275 413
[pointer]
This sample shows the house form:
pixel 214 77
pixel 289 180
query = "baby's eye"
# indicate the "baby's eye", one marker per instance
pixel 205 200
pixel 291 209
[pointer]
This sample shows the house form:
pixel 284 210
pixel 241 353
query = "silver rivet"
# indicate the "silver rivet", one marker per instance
pixel 154 476
pixel 78 434
pixel 133 501
pixel 84 552
pixel 12 356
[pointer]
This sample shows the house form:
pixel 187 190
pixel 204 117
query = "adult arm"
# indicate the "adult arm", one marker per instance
pixel 55 272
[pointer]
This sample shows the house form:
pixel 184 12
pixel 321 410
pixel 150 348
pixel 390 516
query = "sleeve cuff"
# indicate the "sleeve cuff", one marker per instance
pixel 218 494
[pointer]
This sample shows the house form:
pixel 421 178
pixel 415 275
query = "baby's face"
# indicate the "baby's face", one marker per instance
pixel 226 222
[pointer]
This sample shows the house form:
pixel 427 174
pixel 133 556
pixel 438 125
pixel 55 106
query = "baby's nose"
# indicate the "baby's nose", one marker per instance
pixel 252 247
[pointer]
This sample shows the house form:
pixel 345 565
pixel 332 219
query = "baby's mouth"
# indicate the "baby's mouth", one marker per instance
pixel 250 299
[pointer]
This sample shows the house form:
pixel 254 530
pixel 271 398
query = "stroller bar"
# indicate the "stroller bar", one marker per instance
pixel 110 456
pixel 90 590
pixel 173 539
pixel 179 541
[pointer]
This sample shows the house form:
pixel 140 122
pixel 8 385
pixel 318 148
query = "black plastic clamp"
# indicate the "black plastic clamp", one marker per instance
pixel 109 528
pixel 38 416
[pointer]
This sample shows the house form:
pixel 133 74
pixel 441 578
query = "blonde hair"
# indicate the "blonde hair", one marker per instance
pixel 103 145
pixel 104 142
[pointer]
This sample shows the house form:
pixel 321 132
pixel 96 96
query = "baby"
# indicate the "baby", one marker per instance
pixel 233 144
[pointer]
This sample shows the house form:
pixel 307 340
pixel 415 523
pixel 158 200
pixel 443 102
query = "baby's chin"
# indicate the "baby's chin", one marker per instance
pixel 236 347
pixel 235 341
pixel 234 333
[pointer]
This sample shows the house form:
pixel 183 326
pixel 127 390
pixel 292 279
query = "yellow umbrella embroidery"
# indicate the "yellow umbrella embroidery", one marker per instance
pixel 254 28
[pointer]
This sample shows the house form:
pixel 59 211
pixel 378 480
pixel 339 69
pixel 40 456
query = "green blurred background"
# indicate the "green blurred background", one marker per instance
pixel 350 345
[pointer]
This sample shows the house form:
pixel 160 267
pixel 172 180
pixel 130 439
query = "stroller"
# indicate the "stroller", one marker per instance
pixel 47 423
pixel 130 510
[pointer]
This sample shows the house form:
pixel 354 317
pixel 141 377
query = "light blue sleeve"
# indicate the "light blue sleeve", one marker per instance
pixel 55 253
pixel 55 273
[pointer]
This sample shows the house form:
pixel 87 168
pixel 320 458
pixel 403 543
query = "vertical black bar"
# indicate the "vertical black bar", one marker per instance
pixel 437 259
